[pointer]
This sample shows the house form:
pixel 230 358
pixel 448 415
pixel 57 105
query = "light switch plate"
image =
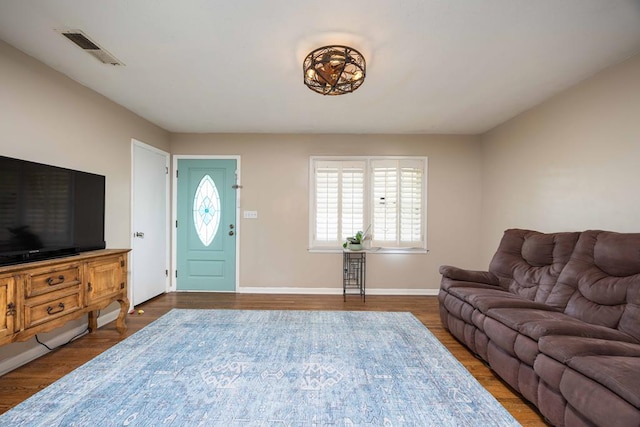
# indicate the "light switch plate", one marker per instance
pixel 251 214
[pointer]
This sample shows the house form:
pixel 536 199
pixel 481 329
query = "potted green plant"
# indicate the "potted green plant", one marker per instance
pixel 354 243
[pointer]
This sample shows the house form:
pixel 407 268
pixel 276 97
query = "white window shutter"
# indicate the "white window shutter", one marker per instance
pixel 339 201
pixel 326 202
pixel 398 203
pixel 411 204
pixel 385 202
pixel 352 199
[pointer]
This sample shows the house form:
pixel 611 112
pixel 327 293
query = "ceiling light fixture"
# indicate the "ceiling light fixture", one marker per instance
pixel 334 70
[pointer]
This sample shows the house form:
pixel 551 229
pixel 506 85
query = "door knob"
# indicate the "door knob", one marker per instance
pixel 231 233
pixel 139 234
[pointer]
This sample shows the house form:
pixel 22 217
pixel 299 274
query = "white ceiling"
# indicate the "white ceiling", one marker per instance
pixel 433 66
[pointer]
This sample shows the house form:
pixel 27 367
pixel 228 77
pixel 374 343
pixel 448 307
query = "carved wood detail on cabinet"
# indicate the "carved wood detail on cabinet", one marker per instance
pixel 8 308
pixel 44 295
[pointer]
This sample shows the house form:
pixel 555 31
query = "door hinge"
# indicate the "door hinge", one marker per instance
pixel 176 173
pixel 166 273
pixel 176 223
pixel 176 273
pixel 166 168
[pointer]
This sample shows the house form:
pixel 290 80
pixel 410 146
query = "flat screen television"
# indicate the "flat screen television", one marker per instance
pixel 48 211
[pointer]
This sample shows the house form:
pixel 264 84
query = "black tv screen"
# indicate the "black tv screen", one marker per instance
pixel 48 211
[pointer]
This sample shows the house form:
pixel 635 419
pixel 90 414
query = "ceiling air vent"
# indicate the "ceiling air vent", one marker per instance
pixel 90 47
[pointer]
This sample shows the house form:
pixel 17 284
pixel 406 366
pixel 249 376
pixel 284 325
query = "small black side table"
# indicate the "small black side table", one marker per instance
pixel 354 265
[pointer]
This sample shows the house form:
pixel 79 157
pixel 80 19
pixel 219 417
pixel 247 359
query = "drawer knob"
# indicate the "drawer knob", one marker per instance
pixel 60 308
pixel 52 282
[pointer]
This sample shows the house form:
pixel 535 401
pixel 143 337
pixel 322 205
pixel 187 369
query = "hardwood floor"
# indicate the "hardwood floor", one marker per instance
pixel 23 382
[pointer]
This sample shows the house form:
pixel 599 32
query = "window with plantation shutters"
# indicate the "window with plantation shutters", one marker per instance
pixel 386 196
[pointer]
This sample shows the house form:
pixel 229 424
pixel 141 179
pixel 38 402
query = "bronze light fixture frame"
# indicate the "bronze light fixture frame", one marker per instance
pixel 334 70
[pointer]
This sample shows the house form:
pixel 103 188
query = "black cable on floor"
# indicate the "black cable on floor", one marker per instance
pixel 86 331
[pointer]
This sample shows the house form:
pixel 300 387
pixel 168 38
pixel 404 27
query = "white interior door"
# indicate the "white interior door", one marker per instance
pixel 149 212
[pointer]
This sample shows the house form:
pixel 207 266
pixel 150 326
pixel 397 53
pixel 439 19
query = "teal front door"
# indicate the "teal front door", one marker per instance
pixel 206 228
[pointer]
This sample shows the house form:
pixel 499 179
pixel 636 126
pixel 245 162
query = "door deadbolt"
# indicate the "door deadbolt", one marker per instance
pixel 231 226
pixel 231 233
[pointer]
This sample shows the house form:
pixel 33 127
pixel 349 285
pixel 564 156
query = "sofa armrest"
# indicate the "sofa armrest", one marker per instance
pixel 456 273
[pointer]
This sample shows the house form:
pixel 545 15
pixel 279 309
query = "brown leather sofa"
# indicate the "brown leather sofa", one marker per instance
pixel 557 317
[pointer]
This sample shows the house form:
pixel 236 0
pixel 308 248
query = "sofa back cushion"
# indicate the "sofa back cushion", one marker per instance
pixel 528 263
pixel 601 282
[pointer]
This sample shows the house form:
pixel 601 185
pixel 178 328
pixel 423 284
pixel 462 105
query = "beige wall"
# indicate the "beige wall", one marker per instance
pixel 572 163
pixel 48 118
pixel 275 179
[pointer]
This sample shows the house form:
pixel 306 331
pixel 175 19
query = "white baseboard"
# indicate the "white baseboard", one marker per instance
pixel 332 291
pixel 54 341
pixel 419 292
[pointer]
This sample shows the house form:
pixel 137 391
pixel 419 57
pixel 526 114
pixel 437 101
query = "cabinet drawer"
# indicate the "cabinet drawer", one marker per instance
pixel 42 310
pixel 50 280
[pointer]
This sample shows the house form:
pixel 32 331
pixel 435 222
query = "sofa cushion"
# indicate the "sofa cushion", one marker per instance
pixel 595 402
pixel 538 323
pixel 549 370
pixel 528 263
pixel 601 282
pixel 617 254
pixel 614 364
pixel 456 306
pixel 486 299
pixel 550 401
pixel 537 249
pixel 563 348
pixel 619 374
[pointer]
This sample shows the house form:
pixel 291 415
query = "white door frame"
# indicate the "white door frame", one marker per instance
pixel 167 156
pixel 174 213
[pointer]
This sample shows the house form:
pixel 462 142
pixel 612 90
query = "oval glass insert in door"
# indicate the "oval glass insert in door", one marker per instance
pixel 206 210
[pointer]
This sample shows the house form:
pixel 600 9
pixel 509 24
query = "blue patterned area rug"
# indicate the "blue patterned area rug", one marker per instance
pixel 269 368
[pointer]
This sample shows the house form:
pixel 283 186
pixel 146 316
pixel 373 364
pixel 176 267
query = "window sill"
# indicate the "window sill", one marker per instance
pixel 371 251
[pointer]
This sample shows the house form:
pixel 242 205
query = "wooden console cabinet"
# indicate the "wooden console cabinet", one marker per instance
pixel 44 295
